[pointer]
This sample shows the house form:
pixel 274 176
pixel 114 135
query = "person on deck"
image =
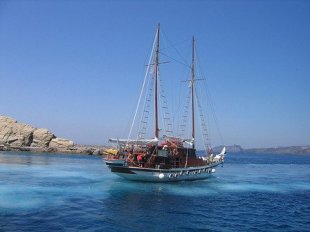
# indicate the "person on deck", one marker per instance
pixel 140 160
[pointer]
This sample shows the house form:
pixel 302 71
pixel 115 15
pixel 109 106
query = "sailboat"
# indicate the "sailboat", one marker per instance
pixel 166 158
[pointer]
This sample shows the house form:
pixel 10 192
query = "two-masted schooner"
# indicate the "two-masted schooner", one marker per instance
pixel 168 158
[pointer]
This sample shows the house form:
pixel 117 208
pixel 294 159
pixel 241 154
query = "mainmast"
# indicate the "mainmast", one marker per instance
pixel 156 88
pixel 193 88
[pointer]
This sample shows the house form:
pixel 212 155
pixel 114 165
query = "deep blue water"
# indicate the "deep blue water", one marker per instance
pixel 44 192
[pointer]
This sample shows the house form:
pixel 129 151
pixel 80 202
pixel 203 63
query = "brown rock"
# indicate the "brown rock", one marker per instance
pixel 15 134
pixel 42 138
pixel 60 143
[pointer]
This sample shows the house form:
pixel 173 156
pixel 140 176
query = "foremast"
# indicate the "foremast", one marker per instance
pixel 156 85
pixel 193 89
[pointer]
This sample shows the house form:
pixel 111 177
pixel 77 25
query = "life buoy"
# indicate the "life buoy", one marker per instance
pixel 161 175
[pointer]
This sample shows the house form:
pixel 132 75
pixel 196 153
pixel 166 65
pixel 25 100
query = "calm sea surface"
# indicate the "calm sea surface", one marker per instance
pixel 44 192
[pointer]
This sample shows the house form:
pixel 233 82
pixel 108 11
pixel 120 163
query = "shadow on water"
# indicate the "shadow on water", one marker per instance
pixel 199 205
pixel 163 206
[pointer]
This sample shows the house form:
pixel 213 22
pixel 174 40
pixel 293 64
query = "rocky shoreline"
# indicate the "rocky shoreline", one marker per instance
pixel 16 136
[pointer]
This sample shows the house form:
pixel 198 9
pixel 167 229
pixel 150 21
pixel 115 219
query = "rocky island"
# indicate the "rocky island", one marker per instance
pixel 23 137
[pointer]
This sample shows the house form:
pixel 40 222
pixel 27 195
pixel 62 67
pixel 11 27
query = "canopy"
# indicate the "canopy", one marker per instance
pixel 134 141
pixel 183 140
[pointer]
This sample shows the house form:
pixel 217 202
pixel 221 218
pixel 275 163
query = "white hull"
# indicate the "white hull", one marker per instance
pixel 164 175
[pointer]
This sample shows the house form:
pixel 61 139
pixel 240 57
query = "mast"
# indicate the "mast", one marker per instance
pixel 193 80
pixel 156 88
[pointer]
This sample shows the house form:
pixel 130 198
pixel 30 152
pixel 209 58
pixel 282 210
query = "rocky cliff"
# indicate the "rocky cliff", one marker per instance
pixel 20 136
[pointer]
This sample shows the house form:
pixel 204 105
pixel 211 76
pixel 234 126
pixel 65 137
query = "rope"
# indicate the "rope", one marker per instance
pixel 185 116
pixel 204 129
pixel 145 111
pixel 168 127
pixel 209 96
pixel 142 90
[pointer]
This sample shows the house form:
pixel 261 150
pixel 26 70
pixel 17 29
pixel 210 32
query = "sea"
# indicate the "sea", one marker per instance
pixel 64 192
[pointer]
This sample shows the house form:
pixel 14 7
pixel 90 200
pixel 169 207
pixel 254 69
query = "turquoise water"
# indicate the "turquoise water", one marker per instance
pixel 41 192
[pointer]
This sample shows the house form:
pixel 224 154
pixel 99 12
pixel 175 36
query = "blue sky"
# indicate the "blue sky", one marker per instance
pixel 76 67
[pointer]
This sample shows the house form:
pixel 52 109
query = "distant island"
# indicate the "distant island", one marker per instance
pixel 18 136
pixel 293 150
